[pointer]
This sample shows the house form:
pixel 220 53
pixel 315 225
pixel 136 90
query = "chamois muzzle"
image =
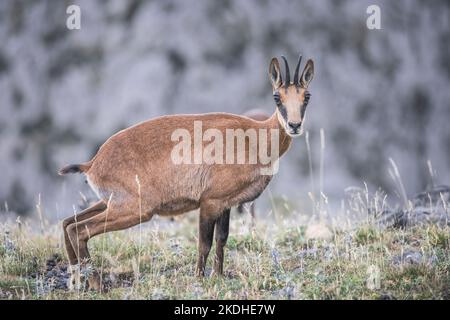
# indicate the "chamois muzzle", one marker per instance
pixel 294 127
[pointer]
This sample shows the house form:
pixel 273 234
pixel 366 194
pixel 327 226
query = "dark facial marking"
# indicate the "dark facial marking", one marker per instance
pixel 305 103
pixel 283 112
pixel 276 97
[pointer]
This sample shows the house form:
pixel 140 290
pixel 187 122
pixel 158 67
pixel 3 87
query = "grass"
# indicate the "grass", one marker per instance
pixel 272 261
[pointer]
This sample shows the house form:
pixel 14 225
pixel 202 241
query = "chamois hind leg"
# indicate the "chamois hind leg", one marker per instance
pixel 221 235
pixel 82 215
pixel 113 218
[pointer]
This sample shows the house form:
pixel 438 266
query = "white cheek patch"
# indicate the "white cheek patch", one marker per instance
pixel 301 128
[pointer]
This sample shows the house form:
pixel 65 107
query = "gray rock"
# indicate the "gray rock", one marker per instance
pixel 412 257
pixel 408 257
pixel 415 216
pixel 432 197
pixel 275 257
pixel 51 274
pixel 428 207
pixel 298 270
pixel 308 253
pixel 287 292
pixel 386 296
pixel 8 243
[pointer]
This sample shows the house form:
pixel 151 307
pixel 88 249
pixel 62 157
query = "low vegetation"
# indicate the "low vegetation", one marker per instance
pixel 268 261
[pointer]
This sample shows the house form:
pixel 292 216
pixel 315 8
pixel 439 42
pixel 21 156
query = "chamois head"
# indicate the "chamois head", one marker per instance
pixel 291 98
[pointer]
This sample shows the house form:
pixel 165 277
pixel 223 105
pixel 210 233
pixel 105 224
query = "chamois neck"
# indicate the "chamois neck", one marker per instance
pixel 285 139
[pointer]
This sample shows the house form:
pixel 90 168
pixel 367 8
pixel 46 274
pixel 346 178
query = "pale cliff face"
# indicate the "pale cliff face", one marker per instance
pixel 377 94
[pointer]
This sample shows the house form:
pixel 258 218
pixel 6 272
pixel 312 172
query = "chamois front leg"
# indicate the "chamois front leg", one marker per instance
pixel 205 238
pixel 221 235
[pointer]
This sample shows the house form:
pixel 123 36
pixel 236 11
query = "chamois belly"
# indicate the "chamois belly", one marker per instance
pixel 177 207
pixel 249 192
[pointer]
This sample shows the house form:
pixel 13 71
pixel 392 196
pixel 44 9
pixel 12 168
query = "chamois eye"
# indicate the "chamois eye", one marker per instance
pixel 276 97
pixel 307 97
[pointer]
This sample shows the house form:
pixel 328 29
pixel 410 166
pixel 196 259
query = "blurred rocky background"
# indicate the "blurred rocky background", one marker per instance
pixel 378 94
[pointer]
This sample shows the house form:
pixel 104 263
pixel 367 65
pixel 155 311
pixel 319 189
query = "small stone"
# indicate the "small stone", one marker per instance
pixel 386 296
pixel 318 231
pixel 308 253
pixel 408 257
pixel 298 270
pixel 50 263
pixel 51 274
pixel 432 197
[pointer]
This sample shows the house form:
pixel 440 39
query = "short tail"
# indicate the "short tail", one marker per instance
pixel 74 168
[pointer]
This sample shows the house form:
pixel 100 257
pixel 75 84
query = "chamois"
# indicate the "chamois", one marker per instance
pixel 135 175
pixel 259 115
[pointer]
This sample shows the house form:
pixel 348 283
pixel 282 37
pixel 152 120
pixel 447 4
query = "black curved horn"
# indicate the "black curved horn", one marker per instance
pixel 287 79
pixel 296 79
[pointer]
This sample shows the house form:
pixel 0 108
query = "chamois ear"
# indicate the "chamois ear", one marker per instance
pixel 308 74
pixel 275 74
